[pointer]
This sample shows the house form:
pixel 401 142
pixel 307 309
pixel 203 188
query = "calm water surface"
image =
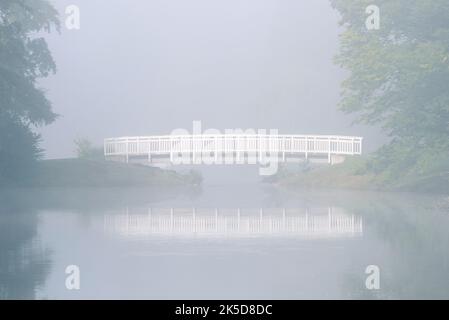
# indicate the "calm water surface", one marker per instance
pixel 242 241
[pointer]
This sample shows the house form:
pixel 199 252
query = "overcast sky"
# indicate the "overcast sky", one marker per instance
pixel 146 67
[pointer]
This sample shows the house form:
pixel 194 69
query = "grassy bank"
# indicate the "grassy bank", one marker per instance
pixel 355 174
pixel 100 173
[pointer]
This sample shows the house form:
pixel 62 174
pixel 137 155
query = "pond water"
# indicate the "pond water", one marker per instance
pixel 223 241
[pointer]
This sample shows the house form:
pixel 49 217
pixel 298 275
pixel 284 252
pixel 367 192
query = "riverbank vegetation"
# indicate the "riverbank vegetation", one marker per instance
pixel 361 174
pixel 398 80
pixel 66 173
pixel 24 59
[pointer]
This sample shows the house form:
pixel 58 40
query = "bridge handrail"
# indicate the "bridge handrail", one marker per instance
pixel 234 135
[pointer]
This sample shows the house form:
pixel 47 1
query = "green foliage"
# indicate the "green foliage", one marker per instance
pixel 68 173
pixel 86 150
pixel 399 78
pixel 24 58
pixel 403 165
pixel 18 149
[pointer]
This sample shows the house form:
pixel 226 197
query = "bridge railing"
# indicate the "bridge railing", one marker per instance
pixel 225 143
pixel 322 222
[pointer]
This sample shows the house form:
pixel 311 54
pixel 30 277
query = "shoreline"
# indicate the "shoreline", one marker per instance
pixel 90 173
pixel 350 177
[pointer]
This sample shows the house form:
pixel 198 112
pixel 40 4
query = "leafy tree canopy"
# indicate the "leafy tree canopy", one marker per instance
pixel 24 58
pixel 399 78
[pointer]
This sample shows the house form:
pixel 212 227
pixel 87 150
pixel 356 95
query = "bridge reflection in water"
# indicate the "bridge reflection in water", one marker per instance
pixel 309 223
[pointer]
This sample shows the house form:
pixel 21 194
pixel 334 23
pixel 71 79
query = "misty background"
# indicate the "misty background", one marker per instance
pixel 148 67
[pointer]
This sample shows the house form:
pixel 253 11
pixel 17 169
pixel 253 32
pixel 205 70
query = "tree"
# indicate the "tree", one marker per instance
pixel 85 149
pixel 24 58
pixel 399 79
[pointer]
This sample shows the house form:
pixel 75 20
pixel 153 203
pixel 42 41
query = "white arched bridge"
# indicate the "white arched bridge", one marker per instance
pixel 232 148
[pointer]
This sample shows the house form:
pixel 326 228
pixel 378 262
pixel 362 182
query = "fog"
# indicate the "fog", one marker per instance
pixel 181 217
pixel 148 67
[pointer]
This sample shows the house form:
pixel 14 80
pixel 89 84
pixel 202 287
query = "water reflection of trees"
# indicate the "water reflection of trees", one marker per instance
pixel 413 229
pixel 24 263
